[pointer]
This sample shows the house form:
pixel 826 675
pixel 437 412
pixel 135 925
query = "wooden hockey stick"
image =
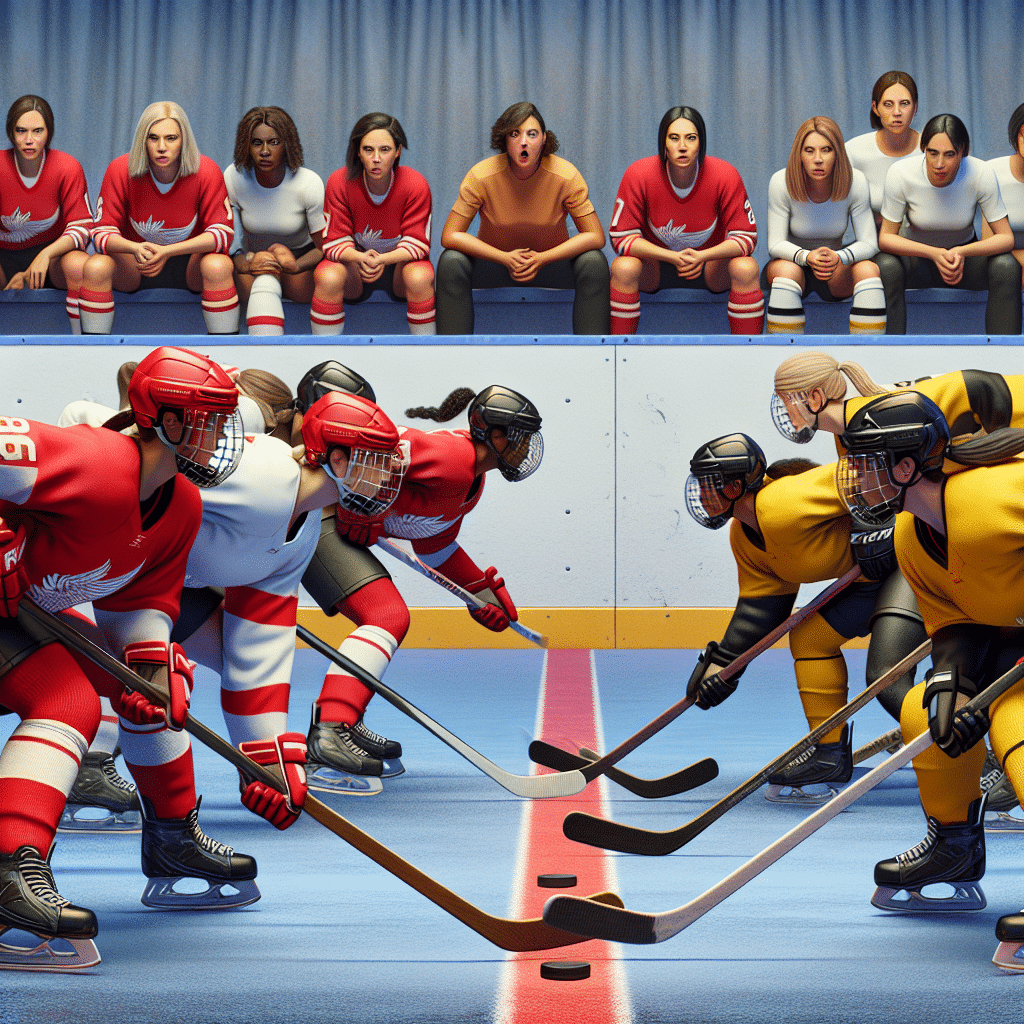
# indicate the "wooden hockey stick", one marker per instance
pixel 566 783
pixel 876 746
pixel 453 588
pixel 622 925
pixel 517 936
pixel 685 779
pixel 602 764
pixel 612 835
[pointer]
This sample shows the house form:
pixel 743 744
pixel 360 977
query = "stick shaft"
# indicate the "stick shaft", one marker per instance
pixel 453 588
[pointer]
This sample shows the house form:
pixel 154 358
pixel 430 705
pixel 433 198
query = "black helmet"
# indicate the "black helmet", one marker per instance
pixel 715 464
pixel 880 434
pixel 517 416
pixel 330 376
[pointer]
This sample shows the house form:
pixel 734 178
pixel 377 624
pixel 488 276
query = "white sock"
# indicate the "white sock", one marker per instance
pixel 867 308
pixel 785 308
pixel 265 313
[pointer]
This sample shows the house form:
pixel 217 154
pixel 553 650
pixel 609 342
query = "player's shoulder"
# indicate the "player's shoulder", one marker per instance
pixel 409 178
pixel 559 167
pixel 718 169
pixel 777 183
pixel 63 162
pixel 118 167
pixel 489 167
pixel 208 168
pixel 862 145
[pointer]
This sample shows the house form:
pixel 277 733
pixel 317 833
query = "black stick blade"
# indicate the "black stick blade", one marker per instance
pixel 596 921
pixel 612 835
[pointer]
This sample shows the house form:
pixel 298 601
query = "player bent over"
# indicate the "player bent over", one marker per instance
pixel 443 483
pixel 788 526
pixel 960 551
pixel 92 515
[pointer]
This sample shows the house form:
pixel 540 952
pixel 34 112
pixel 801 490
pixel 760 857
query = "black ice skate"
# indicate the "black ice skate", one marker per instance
pixel 808 780
pixel 60 933
pixel 380 747
pixel 101 800
pixel 336 763
pixel 175 849
pixel 1001 798
pixel 950 854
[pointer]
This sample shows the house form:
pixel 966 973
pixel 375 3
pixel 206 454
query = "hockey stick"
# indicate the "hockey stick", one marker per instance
pixel 650 789
pixel 453 588
pixel 602 764
pixel 612 835
pixel 876 746
pixel 622 925
pixel 567 783
pixel 517 936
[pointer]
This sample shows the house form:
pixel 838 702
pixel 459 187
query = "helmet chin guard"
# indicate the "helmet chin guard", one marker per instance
pixel 702 495
pixel 867 488
pixel 784 422
pixel 372 480
pixel 210 447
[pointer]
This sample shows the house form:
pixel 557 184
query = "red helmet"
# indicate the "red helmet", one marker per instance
pixel 191 402
pixel 376 461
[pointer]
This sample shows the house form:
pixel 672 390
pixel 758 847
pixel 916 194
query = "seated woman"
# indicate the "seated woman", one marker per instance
pixel 279 206
pixel 44 207
pixel 893 106
pixel 682 220
pixel 935 199
pixel 162 221
pixel 378 234
pixel 1009 172
pixel 523 197
pixel 810 203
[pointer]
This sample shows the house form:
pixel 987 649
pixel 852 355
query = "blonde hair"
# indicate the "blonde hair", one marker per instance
pixel 842 172
pixel 808 370
pixel 138 161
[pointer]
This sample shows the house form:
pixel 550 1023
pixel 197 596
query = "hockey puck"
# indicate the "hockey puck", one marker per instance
pixel 565 970
pixel 556 881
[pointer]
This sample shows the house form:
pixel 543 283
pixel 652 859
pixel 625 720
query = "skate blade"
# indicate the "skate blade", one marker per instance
pixel 183 893
pixel 1003 821
pixel 965 897
pixel 393 768
pixel 1009 956
pixel 84 818
pixel 330 780
pixel 37 953
pixel 803 796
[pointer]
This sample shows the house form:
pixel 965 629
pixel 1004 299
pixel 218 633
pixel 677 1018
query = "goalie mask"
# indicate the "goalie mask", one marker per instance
pixel 793 417
pixel 329 376
pixel 733 458
pixel 517 419
pixel 878 437
pixel 375 461
pixel 192 404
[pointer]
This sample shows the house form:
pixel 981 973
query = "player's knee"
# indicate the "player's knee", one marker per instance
pixel 625 273
pixel 98 272
pixel 743 273
pixel 217 270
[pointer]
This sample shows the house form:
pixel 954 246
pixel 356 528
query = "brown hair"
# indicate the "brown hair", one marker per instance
pixel 887 81
pixel 371 123
pixel 458 400
pixel 277 119
pixel 274 398
pixel 511 118
pixel 25 104
pixel 842 172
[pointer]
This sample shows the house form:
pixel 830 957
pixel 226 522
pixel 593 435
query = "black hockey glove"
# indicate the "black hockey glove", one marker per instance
pixel 969 728
pixel 940 695
pixel 709 690
pixel 873 548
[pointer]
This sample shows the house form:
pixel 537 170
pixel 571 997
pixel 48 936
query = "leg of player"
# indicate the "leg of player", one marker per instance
pixel 953 852
pixel 785 300
pixel 414 281
pixel 212 274
pixel 590 309
pixel 822 679
pixel 70 268
pixel 867 307
pixel 626 272
pixel 264 314
pixel 746 300
pixel 327 310
pixel 59 713
pixel 96 298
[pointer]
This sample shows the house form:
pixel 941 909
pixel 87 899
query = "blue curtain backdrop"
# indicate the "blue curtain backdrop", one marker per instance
pixel 601 71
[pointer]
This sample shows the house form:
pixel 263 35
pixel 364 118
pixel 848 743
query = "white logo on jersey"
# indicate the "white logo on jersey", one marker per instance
pixel 154 231
pixel 411 527
pixel 20 227
pixel 370 238
pixel 57 592
pixel 679 238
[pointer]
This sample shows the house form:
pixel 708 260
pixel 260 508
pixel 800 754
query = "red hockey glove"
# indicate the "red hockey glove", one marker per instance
pixel 499 609
pixel 359 530
pixel 166 667
pixel 13 576
pixel 285 756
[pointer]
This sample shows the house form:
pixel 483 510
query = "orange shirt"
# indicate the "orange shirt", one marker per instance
pixel 528 214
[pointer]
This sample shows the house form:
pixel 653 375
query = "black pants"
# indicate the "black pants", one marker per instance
pixel 458 274
pixel 999 275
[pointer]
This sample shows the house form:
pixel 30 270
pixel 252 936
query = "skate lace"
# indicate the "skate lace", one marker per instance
pixel 39 879
pixel 204 841
pixel 111 774
pixel 360 731
pixel 922 847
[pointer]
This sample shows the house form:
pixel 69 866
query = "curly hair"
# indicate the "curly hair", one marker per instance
pixel 277 119
pixel 458 400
